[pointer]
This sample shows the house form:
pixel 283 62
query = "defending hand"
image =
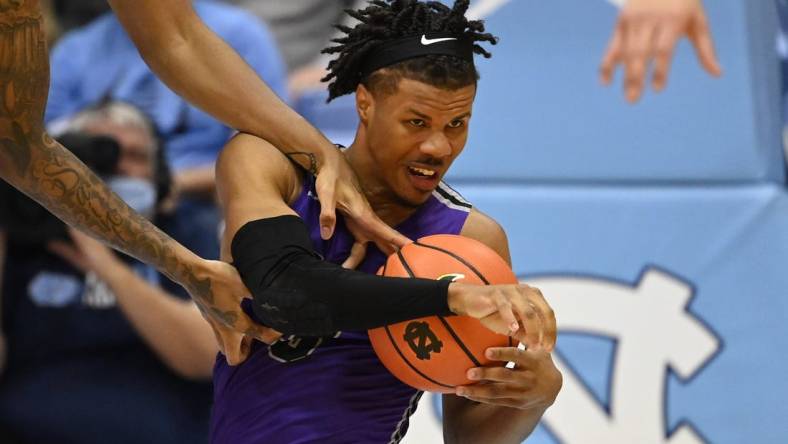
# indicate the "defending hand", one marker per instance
pixel 649 30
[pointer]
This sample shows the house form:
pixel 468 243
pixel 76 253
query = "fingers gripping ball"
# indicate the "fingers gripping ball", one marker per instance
pixel 434 353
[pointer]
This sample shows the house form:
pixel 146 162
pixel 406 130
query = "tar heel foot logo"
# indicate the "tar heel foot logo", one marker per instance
pixel 422 340
pixel 451 277
pixel 653 332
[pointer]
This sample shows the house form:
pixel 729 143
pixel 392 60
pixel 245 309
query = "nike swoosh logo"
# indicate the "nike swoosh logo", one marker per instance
pixel 425 41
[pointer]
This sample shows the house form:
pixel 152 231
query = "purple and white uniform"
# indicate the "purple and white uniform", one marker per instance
pixel 331 389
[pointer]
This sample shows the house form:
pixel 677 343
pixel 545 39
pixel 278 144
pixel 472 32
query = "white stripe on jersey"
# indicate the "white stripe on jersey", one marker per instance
pixel 397 436
pixel 452 199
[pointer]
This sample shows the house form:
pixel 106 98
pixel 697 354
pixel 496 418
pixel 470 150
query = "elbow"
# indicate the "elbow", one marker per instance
pixel 159 52
pixel 293 312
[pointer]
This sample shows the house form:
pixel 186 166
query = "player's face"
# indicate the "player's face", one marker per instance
pixel 415 134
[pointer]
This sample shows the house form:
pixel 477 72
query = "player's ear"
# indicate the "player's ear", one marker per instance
pixel 364 103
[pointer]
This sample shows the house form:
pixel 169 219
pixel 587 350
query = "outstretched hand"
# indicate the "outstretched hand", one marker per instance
pixel 647 32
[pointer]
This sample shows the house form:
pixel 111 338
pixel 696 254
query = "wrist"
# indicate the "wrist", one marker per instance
pixel 328 156
pixel 454 298
pixel 183 267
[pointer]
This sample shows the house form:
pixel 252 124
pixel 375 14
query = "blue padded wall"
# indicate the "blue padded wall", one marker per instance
pixel 540 114
pixel 719 251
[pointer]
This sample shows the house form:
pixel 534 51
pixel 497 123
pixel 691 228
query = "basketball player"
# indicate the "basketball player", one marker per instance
pixel 174 41
pixel 411 67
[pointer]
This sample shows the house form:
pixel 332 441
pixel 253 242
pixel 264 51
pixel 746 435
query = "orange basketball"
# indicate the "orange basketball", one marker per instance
pixel 434 353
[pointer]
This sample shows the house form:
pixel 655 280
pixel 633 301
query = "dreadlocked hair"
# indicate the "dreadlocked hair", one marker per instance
pixel 386 20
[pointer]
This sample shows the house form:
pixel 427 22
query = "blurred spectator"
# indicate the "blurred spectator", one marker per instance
pixel 303 28
pixel 97 352
pixel 99 62
pixel 73 14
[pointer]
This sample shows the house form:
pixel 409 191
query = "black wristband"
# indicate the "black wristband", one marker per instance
pixel 296 292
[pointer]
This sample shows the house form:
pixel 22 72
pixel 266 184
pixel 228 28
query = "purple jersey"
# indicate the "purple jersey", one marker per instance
pixel 332 389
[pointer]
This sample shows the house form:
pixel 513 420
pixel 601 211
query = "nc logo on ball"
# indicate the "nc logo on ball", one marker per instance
pixel 422 340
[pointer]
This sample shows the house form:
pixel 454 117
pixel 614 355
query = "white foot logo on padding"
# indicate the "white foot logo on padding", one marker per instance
pixel 653 331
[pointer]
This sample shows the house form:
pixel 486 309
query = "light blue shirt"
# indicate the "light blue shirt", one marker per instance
pixel 99 62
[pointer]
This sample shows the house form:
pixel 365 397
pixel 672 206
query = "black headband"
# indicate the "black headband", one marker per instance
pixel 395 51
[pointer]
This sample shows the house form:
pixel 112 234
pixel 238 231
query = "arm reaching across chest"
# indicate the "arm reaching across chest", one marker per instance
pixel 294 290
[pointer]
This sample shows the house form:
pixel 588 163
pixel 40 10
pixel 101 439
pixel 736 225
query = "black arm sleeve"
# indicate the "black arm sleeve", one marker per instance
pixel 297 293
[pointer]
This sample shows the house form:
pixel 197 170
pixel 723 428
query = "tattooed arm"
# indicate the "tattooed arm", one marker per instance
pixel 41 168
pixel 173 40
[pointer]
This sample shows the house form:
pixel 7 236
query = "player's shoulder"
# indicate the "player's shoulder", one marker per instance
pixel 251 158
pixel 246 147
pixel 488 231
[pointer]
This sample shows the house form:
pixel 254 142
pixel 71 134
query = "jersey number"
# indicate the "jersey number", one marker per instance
pixel 294 348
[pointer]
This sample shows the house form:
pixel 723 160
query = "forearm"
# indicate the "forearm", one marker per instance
pixel 296 292
pixel 472 422
pixel 174 40
pixel 172 328
pixel 196 181
pixel 55 178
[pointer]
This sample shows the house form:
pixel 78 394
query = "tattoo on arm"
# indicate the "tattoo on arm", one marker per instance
pixel 312 160
pixel 41 168
pixel 6 5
